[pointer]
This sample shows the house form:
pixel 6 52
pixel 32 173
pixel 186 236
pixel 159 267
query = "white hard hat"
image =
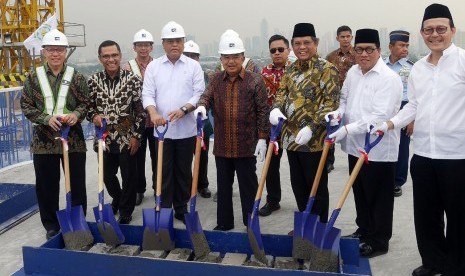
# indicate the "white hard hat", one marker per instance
pixel 231 44
pixel 229 32
pixel 54 38
pixel 143 36
pixel 191 47
pixel 172 30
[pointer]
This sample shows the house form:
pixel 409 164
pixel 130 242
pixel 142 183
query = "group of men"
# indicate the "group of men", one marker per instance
pixel 353 84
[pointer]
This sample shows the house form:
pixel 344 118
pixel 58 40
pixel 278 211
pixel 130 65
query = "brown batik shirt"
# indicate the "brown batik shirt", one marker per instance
pixel 343 61
pixel 241 113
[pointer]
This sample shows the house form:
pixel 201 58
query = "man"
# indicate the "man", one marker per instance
pixel 143 46
pixel 398 62
pixel 371 93
pixel 343 58
pixel 115 95
pixel 192 50
pixel 272 74
pixel 173 84
pixel 436 103
pixel 41 105
pixel 239 129
pixel 308 90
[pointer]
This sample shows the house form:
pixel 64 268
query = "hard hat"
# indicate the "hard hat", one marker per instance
pixel 231 44
pixel 191 47
pixel 172 30
pixel 229 32
pixel 54 38
pixel 143 36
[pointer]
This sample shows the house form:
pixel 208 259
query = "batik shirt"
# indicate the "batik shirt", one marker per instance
pixel 118 100
pixel 33 107
pixel 307 92
pixel 342 61
pixel 272 77
pixel 241 113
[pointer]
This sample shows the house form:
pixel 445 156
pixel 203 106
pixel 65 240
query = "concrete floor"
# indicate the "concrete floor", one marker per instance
pixel 401 259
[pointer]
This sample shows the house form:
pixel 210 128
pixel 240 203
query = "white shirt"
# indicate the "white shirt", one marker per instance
pixel 169 86
pixel 370 98
pixel 437 104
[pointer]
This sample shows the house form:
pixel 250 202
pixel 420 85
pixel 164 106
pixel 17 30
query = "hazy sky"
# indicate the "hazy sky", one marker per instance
pixel 208 19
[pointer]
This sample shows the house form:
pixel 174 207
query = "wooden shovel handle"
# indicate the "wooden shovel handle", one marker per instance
pixel 159 170
pixel 266 166
pixel 319 172
pixel 100 165
pixel 195 176
pixel 66 167
pixel 351 181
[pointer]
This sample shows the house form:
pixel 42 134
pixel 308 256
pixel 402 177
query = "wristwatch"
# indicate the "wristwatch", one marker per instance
pixel 185 110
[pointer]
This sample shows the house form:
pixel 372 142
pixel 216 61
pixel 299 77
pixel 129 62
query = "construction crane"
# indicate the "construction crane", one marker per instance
pixel 19 19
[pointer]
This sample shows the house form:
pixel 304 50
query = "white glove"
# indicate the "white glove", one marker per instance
pixel 260 150
pixel 379 127
pixel 304 135
pixel 336 117
pixel 201 109
pixel 275 114
pixel 342 132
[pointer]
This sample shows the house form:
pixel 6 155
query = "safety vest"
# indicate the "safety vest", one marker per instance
pixel 135 67
pixel 52 106
pixel 244 64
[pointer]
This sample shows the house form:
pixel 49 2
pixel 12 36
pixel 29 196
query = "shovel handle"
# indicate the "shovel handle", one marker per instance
pixel 266 166
pixel 100 131
pixel 161 134
pixel 66 167
pixel 100 166
pixel 195 176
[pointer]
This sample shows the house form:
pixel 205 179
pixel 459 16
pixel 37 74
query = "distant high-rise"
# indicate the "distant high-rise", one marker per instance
pixel 264 35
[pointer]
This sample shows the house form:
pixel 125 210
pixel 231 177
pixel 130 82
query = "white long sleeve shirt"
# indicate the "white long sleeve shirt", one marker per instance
pixel 437 104
pixel 369 98
pixel 169 86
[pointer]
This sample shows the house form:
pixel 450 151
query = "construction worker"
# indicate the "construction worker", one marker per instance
pixel 143 46
pixel 115 95
pixel 41 104
pixel 192 50
pixel 241 128
pixel 173 84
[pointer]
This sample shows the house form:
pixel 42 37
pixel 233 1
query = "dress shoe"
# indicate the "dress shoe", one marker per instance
pixel 205 193
pixel 423 271
pixel 223 227
pixel 269 208
pixel 397 191
pixel 329 167
pixel 139 197
pixel 367 251
pixel 354 235
pixel 51 233
pixel 180 217
pixel 124 219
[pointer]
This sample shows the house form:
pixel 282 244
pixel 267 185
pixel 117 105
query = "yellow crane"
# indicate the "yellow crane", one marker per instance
pixel 19 19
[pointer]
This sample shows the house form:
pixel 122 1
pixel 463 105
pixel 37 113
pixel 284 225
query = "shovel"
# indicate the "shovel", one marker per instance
pixel 194 228
pixel 305 222
pixel 108 227
pixel 326 236
pixel 253 224
pixel 158 222
pixel 76 232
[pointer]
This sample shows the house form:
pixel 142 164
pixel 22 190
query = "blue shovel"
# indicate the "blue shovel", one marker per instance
pixel 158 222
pixel 326 236
pixel 253 224
pixel 108 227
pixel 76 232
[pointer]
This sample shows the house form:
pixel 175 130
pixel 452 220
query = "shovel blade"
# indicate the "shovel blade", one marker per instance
pixel 158 229
pixel 108 227
pixel 255 239
pixel 196 235
pixel 75 230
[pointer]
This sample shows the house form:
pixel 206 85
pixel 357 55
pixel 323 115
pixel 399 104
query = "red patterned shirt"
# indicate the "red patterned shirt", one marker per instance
pixel 272 77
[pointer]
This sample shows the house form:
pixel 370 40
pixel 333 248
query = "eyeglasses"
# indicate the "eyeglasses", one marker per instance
pixel 107 57
pixel 55 50
pixel 369 50
pixel 279 49
pixel 439 30
pixel 231 57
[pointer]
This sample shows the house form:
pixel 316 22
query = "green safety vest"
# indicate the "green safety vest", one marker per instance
pixel 52 106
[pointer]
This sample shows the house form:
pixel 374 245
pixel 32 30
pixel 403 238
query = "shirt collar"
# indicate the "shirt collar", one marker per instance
pixel 241 74
pixel 305 65
pixel 49 71
pixel 107 76
pixel 183 58
pixel 351 51
pixel 271 66
pixel 377 68
pixel 402 61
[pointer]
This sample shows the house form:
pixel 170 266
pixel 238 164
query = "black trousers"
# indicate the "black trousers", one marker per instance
pixel 303 167
pixel 438 188
pixel 273 179
pixel 47 171
pixel 246 177
pixel 331 158
pixel 203 168
pixel 147 138
pixel 177 173
pixel 374 201
pixel 402 160
pixel 124 196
